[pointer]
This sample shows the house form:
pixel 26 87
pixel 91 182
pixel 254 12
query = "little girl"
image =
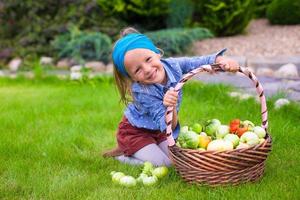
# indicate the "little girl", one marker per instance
pixel 143 79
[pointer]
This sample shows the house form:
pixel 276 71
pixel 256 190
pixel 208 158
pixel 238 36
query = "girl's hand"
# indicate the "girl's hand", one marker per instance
pixel 170 98
pixel 228 64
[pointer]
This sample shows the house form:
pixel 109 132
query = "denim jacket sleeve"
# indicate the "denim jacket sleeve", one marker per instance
pixel 187 64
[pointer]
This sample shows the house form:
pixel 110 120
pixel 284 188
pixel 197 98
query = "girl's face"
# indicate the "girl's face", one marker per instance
pixel 144 66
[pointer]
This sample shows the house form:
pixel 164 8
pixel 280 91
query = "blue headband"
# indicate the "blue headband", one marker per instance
pixel 127 43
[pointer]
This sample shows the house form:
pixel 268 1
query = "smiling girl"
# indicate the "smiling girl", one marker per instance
pixel 145 81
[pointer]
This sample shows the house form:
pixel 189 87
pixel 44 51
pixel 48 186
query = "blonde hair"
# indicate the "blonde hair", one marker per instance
pixel 124 83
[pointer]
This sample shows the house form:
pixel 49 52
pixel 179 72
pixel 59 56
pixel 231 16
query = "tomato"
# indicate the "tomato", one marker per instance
pixel 234 125
pixel 241 130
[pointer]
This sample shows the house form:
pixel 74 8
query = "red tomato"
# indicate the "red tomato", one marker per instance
pixel 241 130
pixel 234 125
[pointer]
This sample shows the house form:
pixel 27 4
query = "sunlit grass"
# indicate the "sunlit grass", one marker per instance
pixel 52 133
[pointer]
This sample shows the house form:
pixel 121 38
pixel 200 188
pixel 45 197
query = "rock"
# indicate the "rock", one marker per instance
pixel 240 95
pixel 14 64
pixel 294 96
pixel 76 72
pixel 46 61
pixel 6 53
pixel 29 75
pixel 2 6
pixel 281 102
pixel 62 76
pixel 96 66
pixel 76 68
pixel 234 94
pixel 265 71
pixel 245 96
pixel 76 75
pixel 13 76
pixel 91 76
pixel 287 71
pixel 272 62
pixel 65 63
pixel 110 68
pixel 257 99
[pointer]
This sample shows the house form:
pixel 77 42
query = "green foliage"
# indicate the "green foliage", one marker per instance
pixel 34 23
pixel 177 41
pixel 261 8
pixel 83 46
pixel 180 13
pixel 284 12
pixel 224 17
pixel 145 14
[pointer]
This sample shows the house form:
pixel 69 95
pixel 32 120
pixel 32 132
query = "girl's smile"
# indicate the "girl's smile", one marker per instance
pixel 144 66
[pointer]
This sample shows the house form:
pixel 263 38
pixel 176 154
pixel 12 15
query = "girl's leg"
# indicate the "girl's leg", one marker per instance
pixel 129 160
pixel 153 154
pixel 164 147
pixel 156 154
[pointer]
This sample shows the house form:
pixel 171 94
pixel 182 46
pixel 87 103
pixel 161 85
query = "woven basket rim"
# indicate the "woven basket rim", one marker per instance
pixel 268 139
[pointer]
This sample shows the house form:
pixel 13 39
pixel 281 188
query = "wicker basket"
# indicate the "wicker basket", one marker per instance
pixel 219 168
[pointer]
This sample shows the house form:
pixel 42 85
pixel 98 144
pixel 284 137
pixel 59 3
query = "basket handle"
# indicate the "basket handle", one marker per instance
pixel 215 68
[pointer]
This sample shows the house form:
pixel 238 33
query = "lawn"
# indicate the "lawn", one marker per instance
pixel 52 133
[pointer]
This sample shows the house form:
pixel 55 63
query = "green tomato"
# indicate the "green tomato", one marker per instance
pixel 234 139
pixel 117 176
pixel 222 131
pixel 249 124
pixel 160 172
pixel 184 129
pixel 219 145
pixel 149 181
pixel 112 173
pixel 191 139
pixel 197 128
pixel 242 145
pixel 259 131
pixel 261 140
pixel 250 138
pixel 127 181
pixel 203 134
pixel 148 168
pixel 212 126
pixel 141 177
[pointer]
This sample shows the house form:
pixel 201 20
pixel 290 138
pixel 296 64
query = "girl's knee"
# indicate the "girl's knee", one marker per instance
pixel 161 162
pixel 153 154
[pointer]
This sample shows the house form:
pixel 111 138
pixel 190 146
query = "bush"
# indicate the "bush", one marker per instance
pixel 34 23
pixel 224 17
pixel 177 41
pixel 284 12
pixel 83 46
pixel 143 14
pixel 261 8
pixel 180 13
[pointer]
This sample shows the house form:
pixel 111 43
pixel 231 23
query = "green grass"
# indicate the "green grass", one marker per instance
pixel 52 133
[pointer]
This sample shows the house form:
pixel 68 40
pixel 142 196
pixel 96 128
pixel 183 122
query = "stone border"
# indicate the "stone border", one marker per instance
pixel 268 62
